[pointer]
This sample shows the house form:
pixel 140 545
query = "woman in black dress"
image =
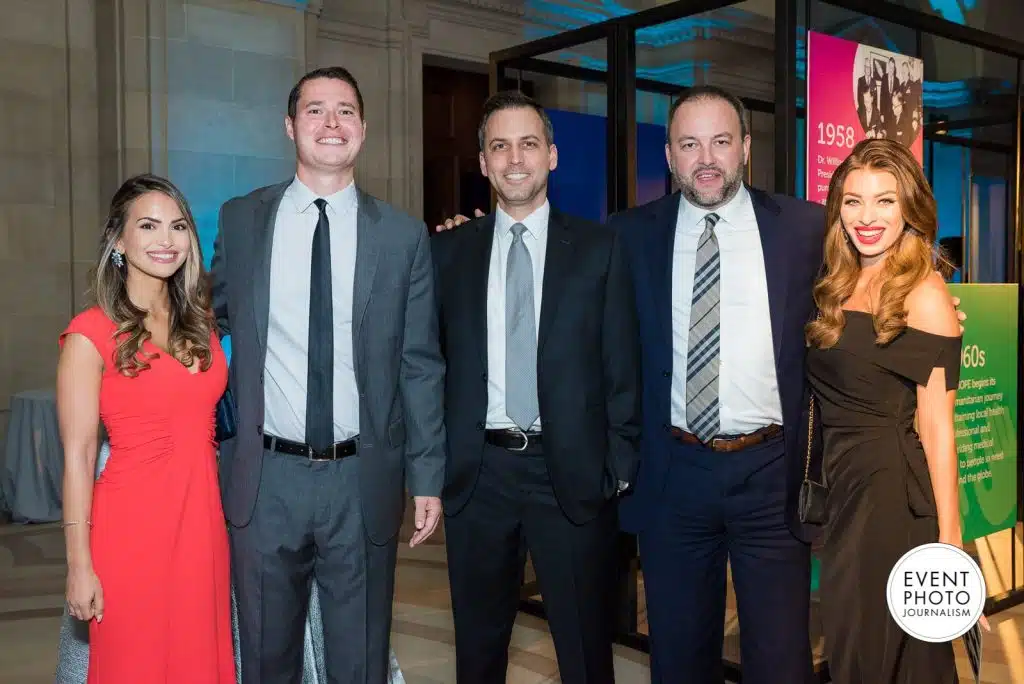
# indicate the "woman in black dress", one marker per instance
pixel 884 351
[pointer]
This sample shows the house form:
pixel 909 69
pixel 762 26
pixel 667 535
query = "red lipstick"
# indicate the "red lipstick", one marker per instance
pixel 869 235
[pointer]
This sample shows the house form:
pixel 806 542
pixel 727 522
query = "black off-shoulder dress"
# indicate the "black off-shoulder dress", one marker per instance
pixel 880 503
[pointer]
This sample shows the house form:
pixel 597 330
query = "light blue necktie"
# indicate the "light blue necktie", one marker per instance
pixel 702 414
pixel 520 335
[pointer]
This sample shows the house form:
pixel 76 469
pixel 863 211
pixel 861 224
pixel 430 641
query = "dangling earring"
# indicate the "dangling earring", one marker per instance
pixel 116 257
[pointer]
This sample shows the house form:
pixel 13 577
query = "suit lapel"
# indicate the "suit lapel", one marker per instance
pixel 557 263
pixel 368 239
pixel 478 267
pixel 264 220
pixel 660 256
pixel 773 247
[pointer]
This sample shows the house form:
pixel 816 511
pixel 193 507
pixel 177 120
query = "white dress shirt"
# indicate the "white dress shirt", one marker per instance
pixel 535 237
pixel 748 394
pixel 288 323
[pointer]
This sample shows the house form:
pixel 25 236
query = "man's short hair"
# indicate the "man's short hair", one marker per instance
pixel 708 92
pixel 512 99
pixel 336 72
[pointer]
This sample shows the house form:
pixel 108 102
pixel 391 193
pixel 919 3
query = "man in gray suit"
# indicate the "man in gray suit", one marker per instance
pixel 328 296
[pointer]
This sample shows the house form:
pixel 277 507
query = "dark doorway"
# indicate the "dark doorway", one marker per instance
pixel 452 183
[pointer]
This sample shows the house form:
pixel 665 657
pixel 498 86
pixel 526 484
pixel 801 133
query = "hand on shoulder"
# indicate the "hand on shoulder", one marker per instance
pixel 458 220
pixel 930 308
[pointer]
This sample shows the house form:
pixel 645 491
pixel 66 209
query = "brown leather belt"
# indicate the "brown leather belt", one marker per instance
pixel 512 439
pixel 728 442
pixel 335 452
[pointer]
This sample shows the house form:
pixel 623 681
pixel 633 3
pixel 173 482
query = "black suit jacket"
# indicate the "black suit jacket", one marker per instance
pixel 900 129
pixel 874 123
pixel 588 366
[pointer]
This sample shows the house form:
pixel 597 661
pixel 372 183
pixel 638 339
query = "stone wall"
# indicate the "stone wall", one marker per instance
pixel 384 44
pixel 93 91
pixel 49 197
pixel 229 68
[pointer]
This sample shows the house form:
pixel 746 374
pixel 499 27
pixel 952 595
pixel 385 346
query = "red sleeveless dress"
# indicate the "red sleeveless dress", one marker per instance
pixel 159 542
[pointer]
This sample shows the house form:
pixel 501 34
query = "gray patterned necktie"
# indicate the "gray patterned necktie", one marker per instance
pixel 702 356
pixel 520 335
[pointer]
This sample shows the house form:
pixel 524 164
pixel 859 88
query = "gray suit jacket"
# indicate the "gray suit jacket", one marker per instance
pixel 398 364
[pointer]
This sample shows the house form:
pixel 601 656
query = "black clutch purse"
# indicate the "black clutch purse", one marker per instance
pixel 227 417
pixel 812 494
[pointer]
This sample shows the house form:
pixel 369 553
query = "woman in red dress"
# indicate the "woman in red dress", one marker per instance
pixel 147 545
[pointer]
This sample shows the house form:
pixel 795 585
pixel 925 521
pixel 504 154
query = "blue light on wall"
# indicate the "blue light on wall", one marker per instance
pixel 953 10
pixel 801 57
pixel 555 18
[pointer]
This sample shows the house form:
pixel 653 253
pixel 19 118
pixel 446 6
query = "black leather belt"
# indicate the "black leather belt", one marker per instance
pixel 336 451
pixel 512 439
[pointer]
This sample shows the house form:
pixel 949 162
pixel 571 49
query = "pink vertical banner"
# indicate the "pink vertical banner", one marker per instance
pixel 857 91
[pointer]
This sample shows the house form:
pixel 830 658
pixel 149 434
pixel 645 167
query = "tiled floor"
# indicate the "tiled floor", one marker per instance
pixel 32 585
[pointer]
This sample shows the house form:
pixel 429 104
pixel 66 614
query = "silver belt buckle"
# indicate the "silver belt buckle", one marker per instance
pixel 325 455
pixel 526 440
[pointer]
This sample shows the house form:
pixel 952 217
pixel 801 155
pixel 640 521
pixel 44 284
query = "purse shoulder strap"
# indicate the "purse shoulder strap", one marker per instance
pixel 810 443
pixel 810 428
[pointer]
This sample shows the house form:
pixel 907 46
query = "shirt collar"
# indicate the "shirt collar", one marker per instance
pixel 303 197
pixel 729 213
pixel 536 223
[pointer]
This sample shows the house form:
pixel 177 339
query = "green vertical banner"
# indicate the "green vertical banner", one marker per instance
pixel 985 417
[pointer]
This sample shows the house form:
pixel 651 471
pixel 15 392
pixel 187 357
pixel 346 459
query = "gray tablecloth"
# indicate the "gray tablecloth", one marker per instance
pixel 34 459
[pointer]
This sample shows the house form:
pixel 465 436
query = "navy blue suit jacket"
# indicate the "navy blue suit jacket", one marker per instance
pixel 792 233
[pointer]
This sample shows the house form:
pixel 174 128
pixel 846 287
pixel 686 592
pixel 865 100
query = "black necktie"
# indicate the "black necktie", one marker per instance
pixel 320 371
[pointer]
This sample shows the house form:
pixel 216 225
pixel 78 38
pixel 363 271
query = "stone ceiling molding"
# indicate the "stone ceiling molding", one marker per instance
pixel 514 8
pixel 470 13
pixel 358 34
pixel 314 7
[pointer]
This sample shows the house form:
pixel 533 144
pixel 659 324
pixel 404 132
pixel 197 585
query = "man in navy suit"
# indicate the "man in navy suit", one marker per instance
pixel 723 276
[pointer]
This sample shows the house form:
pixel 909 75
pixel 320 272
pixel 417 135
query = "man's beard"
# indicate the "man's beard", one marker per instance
pixel 730 186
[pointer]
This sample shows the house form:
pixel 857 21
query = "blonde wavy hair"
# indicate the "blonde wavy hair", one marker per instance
pixel 190 323
pixel 910 260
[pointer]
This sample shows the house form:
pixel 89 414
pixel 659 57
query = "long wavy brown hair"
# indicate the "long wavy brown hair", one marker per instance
pixel 908 262
pixel 190 322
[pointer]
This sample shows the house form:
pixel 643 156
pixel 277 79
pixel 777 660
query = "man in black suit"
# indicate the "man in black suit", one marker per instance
pixel 870 117
pixel 538 326
pixel 890 84
pixel 866 83
pixel 899 127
